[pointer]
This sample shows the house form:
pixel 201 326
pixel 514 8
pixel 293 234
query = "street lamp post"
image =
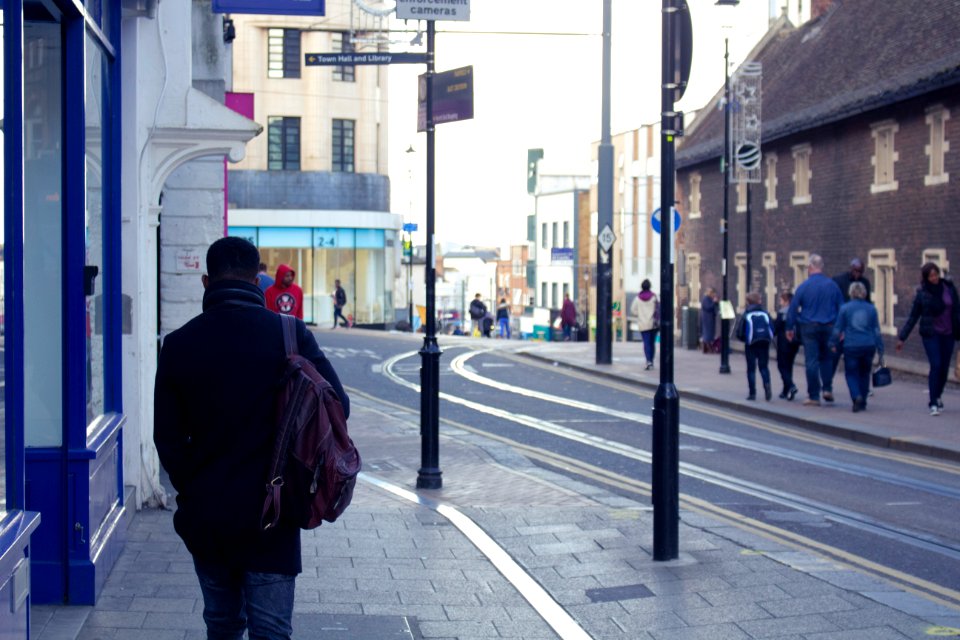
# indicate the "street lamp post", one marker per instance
pixel 604 351
pixel 410 149
pixel 724 228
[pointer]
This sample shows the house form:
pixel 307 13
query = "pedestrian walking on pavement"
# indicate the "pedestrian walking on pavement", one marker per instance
pixel 755 330
pixel 284 295
pixel 857 334
pixel 708 320
pixel 339 302
pixel 568 317
pixel 265 281
pixel 813 311
pixel 844 280
pixel 478 312
pixel 937 307
pixel 646 314
pixel 503 318
pixel 214 427
pixel 786 348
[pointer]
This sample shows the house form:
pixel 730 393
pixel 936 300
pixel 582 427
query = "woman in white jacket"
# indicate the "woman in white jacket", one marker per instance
pixel 646 313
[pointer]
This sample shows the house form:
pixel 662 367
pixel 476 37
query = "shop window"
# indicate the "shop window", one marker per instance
pixel 93 263
pixel 801 174
pixel 884 157
pixel 42 228
pixel 799 264
pixel 543 235
pixel 695 180
pixel 369 295
pixel 283 143
pixel 343 145
pixel 938 146
pixel 346 72
pixel 554 298
pixel 883 262
pixel 290 246
pixel 770 181
pixel 283 53
pixel 566 234
pixel 555 237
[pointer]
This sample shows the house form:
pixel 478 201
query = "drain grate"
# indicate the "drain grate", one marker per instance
pixel 625 592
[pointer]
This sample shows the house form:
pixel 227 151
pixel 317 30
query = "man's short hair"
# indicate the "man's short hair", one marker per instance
pixel 857 264
pixel 857 291
pixel 232 258
pixel 754 297
pixel 816 261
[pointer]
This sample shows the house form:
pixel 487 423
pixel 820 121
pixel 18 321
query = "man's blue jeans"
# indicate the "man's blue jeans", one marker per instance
pixel 235 601
pixel 649 344
pixel 857 362
pixel 817 356
pixel 939 350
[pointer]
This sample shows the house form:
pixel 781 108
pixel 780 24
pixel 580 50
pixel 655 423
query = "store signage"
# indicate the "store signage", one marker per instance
pixel 562 257
pixel 452 97
pixel 433 10
pixel 272 7
pixel 188 262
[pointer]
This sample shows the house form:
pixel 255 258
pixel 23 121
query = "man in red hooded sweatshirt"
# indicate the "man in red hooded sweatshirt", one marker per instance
pixel 283 296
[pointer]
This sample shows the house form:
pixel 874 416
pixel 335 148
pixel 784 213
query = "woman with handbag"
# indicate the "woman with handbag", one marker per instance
pixel 858 327
pixel 937 307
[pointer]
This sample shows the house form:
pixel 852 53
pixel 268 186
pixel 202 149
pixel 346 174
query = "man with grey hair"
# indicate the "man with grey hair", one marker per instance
pixel 813 311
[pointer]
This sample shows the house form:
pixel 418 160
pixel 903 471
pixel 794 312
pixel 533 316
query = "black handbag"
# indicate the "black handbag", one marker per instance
pixel 881 375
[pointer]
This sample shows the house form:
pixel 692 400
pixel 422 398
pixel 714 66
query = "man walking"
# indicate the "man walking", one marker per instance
pixel 844 280
pixel 265 281
pixel 215 399
pixel 339 302
pixel 478 311
pixel 283 296
pixel 813 310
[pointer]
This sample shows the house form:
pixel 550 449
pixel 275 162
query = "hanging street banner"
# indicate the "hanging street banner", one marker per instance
pixel 272 7
pixel 561 257
pixel 338 59
pixel 452 97
pixel 433 10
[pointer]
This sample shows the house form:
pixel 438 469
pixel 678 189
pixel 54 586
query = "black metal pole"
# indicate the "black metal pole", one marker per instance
pixel 666 402
pixel 605 206
pixel 724 322
pixel 749 278
pixel 429 476
pixel 410 281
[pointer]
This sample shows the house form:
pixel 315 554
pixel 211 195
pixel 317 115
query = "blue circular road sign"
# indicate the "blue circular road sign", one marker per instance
pixel 655 219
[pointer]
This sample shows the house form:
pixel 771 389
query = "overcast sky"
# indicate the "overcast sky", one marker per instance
pixel 541 91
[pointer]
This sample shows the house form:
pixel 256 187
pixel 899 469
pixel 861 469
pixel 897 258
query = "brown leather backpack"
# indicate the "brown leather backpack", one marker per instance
pixel 315 463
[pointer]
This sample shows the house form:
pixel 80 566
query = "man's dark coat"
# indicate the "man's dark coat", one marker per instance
pixel 217 381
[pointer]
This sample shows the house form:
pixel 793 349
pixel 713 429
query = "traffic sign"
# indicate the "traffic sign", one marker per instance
pixel 655 219
pixel 409 227
pixel 606 238
pixel 352 58
pixel 433 10
pixel 452 97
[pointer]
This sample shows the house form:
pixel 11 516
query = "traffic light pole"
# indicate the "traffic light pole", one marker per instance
pixel 429 476
pixel 605 206
pixel 724 230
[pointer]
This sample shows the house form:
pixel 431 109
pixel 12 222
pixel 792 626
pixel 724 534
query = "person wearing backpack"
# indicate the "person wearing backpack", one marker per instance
pixel 755 329
pixel 478 311
pixel 215 398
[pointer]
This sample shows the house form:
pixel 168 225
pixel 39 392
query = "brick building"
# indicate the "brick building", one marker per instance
pixel 859 149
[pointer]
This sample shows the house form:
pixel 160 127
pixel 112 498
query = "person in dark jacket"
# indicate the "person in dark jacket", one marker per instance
pixel 786 348
pixel 708 320
pixel 478 311
pixel 755 330
pixel 857 334
pixel 937 307
pixel 568 317
pixel 215 399
pixel 844 280
pixel 813 311
pixel 503 318
pixel 339 302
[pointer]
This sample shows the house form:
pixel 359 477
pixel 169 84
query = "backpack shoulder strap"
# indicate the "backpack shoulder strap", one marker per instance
pixel 289 324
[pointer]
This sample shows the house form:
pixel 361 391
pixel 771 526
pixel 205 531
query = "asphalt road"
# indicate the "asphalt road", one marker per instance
pixel 888 513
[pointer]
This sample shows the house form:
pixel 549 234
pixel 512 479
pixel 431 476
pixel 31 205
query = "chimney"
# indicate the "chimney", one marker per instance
pixel 819 7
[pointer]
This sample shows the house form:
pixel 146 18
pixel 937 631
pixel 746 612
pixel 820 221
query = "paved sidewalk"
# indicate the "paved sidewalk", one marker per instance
pixel 391 568
pixel 897 416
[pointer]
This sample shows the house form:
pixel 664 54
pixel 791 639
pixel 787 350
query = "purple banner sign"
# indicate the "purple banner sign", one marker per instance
pixel 452 97
pixel 272 7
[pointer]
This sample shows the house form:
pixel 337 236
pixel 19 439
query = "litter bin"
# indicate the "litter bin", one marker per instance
pixel 690 327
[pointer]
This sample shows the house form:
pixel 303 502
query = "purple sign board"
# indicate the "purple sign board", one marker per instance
pixel 452 97
pixel 272 7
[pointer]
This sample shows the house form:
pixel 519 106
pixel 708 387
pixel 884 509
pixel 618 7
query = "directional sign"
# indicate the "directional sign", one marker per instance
pixel 606 238
pixel 337 59
pixel 409 227
pixel 655 219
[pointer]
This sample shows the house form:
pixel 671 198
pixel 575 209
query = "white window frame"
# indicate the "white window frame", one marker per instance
pixel 770 180
pixel 937 256
pixel 693 278
pixel 885 156
pixel 695 181
pixel 883 262
pixel 740 263
pixel 741 196
pixel 800 265
pixel 938 146
pixel 769 262
pixel 802 173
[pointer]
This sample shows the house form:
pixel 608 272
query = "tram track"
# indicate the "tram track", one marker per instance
pixel 947 549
